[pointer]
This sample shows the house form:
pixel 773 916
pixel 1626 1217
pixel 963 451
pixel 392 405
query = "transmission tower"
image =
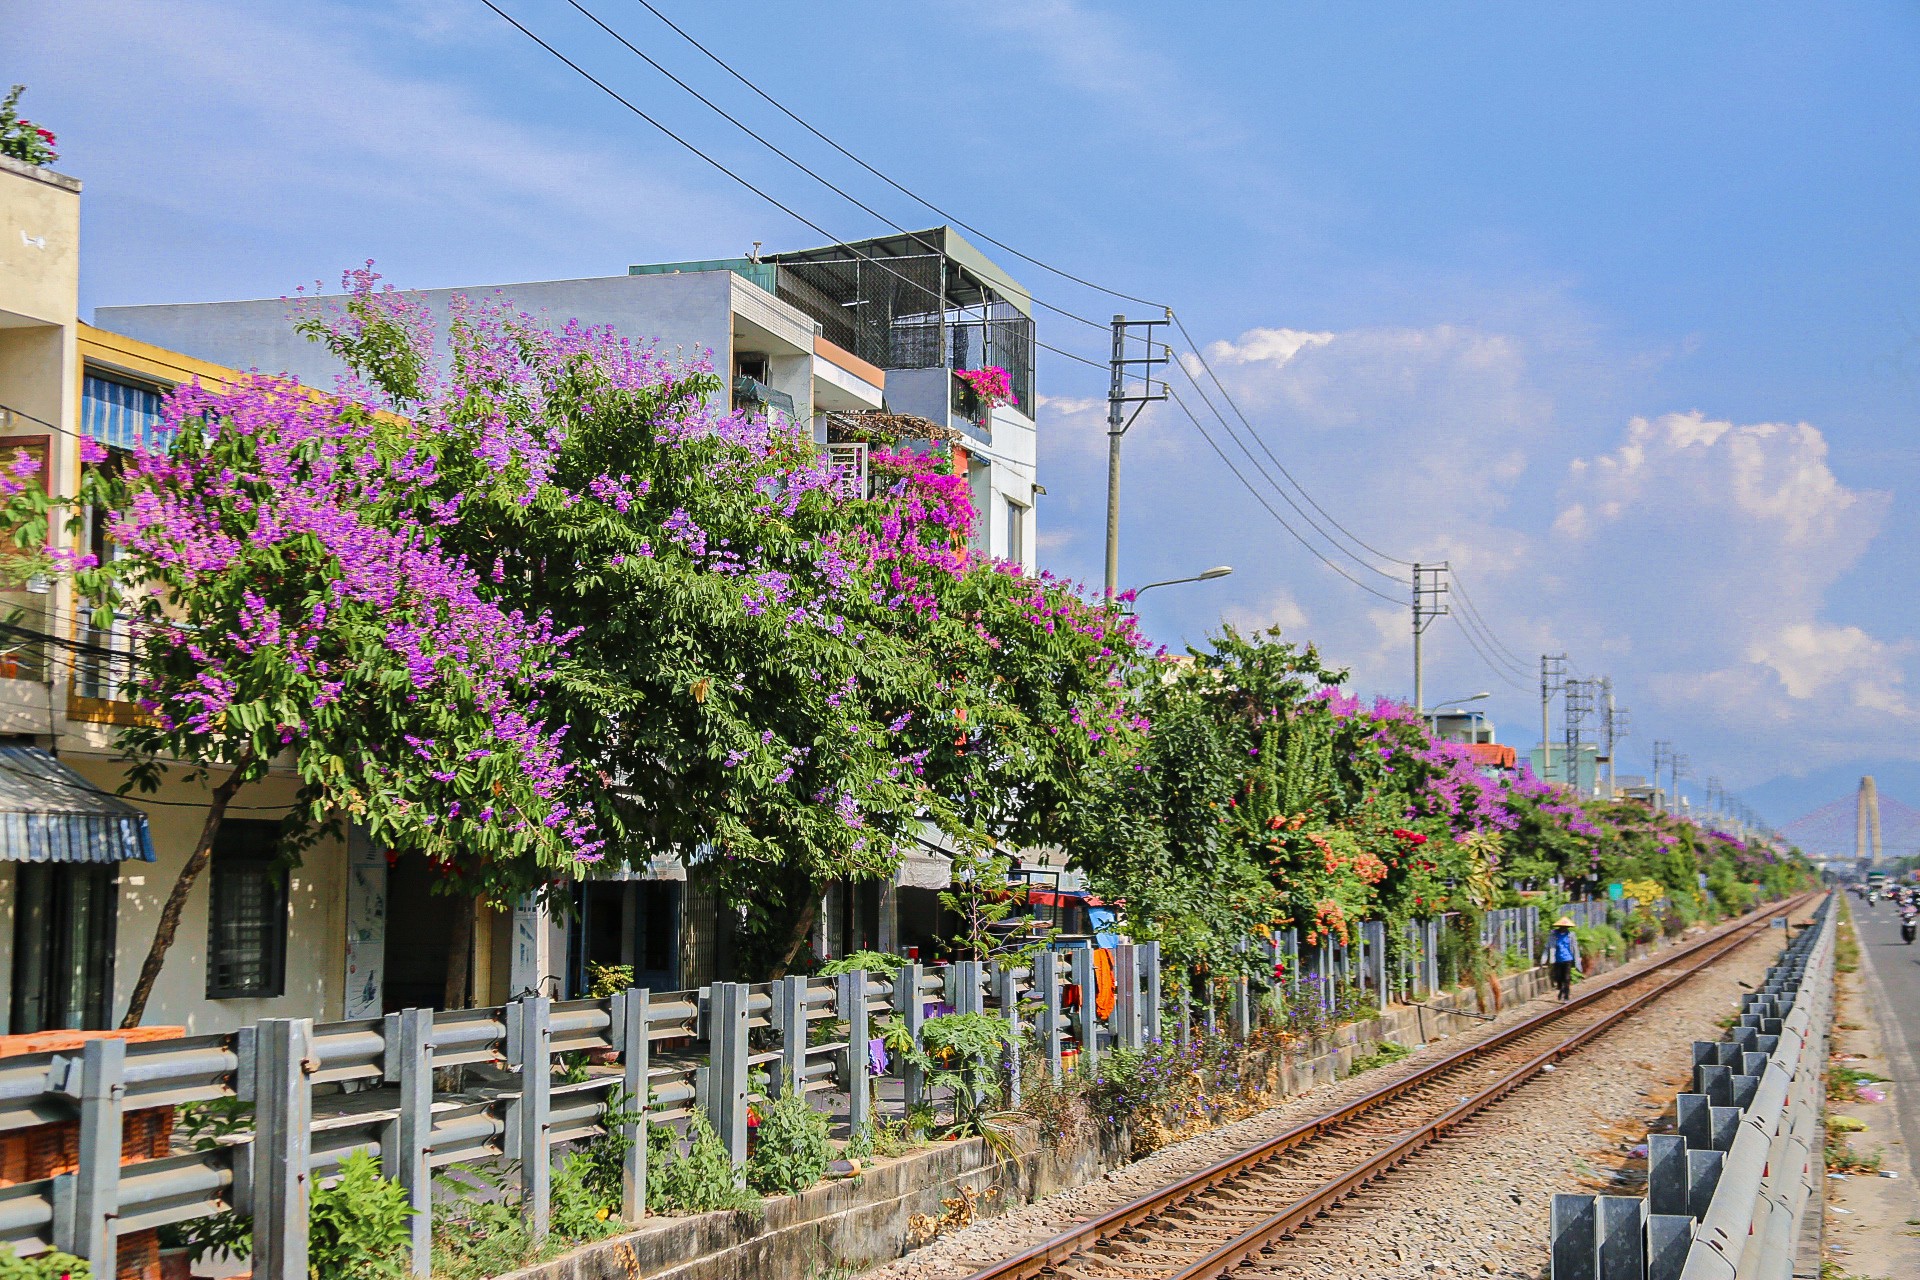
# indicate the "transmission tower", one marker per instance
pixel 1579 704
pixel 1553 673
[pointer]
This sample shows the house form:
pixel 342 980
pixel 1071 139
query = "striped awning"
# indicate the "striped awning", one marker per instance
pixel 49 813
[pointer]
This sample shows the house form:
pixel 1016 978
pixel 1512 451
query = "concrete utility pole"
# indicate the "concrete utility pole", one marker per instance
pixel 1118 420
pixel 1681 765
pixel 1615 727
pixel 1429 586
pixel 1553 670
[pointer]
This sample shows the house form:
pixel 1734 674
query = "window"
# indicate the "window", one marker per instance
pixel 63 941
pixel 247 916
pixel 119 414
pixel 1016 532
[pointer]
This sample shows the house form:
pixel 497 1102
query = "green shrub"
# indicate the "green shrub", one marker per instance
pixel 43 1266
pixel 358 1228
pixel 791 1152
pixel 878 963
pixel 699 1180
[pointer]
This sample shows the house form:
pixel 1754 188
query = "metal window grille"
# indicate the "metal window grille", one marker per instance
pixel 247 920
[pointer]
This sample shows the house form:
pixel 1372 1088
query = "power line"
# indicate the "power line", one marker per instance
pixel 785 208
pixel 903 190
pixel 1194 347
pixel 1474 609
pixel 1284 495
pixel 1261 499
pixel 826 182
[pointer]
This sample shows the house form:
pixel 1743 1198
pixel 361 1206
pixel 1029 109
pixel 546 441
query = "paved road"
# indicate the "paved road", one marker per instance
pixel 1891 970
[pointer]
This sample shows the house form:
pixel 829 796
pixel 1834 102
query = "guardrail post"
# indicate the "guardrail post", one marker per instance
pixel 1046 981
pixel 282 1137
pixel 630 1010
pixel 1150 962
pixel 727 1066
pixel 409 1135
pixel 531 1117
pixel 97 1081
pixel 963 987
pixel 1575 1237
pixel 907 1002
pixel 1003 977
pixel 1669 1237
pixel 1126 995
pixel 1666 1173
pixel 850 1004
pixel 1088 1024
pixel 1623 1241
pixel 790 1020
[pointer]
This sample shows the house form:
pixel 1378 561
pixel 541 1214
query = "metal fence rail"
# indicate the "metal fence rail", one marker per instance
pixel 1725 1194
pixel 713 1052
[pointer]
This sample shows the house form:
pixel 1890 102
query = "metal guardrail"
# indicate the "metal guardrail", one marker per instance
pixel 678 1054
pixel 1725 1194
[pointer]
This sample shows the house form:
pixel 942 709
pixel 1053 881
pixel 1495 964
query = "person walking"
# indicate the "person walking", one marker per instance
pixel 1563 953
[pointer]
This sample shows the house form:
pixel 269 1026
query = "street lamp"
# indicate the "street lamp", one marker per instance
pixel 1433 714
pixel 1205 575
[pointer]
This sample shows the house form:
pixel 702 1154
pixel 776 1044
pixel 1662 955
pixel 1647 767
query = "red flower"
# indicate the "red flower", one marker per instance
pixel 1411 837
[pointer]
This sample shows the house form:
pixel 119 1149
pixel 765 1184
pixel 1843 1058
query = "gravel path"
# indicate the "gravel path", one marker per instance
pixel 1567 1132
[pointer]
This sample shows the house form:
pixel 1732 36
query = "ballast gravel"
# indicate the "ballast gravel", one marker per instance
pixel 1477 1203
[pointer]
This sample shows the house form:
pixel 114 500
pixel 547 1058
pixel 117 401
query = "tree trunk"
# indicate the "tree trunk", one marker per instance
pixel 176 903
pixel 802 926
pixel 460 954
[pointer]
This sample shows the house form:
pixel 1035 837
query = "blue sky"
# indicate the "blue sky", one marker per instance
pixel 1615 307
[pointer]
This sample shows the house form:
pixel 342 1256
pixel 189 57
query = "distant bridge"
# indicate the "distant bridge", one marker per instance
pixel 1863 825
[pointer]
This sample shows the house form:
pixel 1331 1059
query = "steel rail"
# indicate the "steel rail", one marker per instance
pixel 1042 1259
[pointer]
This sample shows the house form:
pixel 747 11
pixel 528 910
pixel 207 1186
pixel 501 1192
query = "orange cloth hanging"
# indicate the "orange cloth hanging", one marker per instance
pixel 1102 983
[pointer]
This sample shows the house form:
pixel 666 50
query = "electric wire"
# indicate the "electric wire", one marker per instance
pixel 1505 675
pixel 1277 488
pixel 826 182
pixel 1262 500
pixel 743 181
pixel 1461 587
pixel 783 207
pixel 1194 348
pixel 921 200
pixel 875 213
pixel 1473 624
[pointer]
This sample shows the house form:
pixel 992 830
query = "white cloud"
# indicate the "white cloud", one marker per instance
pixel 1274 346
pixel 1277 609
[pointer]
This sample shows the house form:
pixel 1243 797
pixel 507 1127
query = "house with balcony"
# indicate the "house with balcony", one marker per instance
pixel 859 341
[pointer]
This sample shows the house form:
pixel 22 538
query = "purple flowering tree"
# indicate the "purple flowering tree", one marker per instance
pixel 289 607
pixel 782 681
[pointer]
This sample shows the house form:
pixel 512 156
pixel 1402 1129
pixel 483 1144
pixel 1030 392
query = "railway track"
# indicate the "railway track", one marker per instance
pixel 1229 1217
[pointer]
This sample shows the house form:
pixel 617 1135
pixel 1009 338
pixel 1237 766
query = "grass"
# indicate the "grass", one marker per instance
pixel 1843 1081
pixel 1846 947
pixel 1842 1158
pixel 1386 1053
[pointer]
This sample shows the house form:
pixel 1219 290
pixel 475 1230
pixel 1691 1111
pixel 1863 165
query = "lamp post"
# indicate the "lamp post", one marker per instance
pixel 1205 575
pixel 1433 716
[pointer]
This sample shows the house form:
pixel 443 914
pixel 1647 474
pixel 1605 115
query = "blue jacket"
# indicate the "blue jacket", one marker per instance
pixel 1563 946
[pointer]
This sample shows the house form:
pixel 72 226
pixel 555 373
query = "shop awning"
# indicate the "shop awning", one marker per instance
pixel 49 813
